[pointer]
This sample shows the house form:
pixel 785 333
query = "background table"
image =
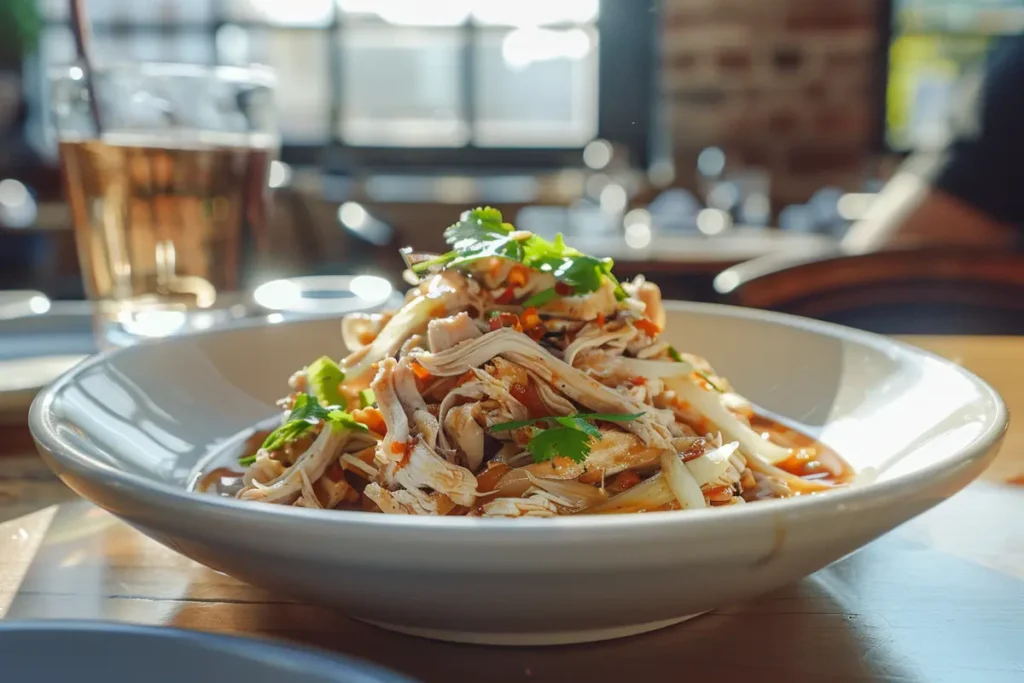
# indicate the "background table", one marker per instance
pixel 939 599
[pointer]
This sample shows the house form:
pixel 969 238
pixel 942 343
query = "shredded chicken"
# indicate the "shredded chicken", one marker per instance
pixel 310 466
pixel 520 380
pixel 594 336
pixel 649 293
pixel 535 506
pixel 574 384
pixel 444 333
pixel 462 424
pixel 358 330
pixel 589 307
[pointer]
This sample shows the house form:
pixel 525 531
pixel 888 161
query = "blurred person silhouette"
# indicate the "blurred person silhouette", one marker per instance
pixel 971 192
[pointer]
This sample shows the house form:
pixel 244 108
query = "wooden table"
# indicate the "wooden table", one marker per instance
pixel 940 599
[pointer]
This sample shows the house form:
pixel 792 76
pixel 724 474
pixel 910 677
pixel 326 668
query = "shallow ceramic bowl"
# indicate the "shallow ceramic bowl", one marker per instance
pixel 127 430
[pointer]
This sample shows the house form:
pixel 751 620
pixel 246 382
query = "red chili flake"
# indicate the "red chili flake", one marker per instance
pixel 506 297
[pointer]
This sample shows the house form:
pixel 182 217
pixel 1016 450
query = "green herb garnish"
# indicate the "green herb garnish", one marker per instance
pixel 367 398
pixel 306 413
pixel 540 298
pixel 324 378
pixel 581 272
pixel 308 408
pixel 481 233
pixel 548 444
pixel 678 357
pixel 707 378
pixel 340 418
pixel 568 436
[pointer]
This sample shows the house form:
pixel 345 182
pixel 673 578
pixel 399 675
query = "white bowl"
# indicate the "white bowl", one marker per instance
pixel 126 430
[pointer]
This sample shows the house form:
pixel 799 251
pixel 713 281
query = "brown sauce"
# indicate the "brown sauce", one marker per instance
pixel 223 481
pixel 811 459
pixel 253 442
pixel 227 480
pixel 528 395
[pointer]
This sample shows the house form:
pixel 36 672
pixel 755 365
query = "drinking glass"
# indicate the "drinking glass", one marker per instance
pixel 170 197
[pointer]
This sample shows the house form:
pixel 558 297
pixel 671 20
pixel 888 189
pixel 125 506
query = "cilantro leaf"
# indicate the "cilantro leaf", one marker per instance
pixel 579 424
pixel 562 441
pixel 475 226
pixel 307 408
pixel 583 273
pixel 538 247
pixel 506 247
pixel 620 293
pixel 340 418
pixel 607 417
pixel 540 298
pixel 611 417
pixel 481 233
pixel 570 438
pixel 286 433
pixel 306 413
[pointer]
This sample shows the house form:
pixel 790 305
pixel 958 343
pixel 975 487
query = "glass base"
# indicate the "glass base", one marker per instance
pixel 119 324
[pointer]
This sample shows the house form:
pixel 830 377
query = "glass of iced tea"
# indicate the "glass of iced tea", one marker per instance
pixel 170 197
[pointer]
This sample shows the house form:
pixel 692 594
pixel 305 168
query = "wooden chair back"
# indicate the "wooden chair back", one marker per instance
pixel 920 291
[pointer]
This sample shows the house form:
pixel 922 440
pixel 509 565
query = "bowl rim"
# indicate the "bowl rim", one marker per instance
pixel 42 424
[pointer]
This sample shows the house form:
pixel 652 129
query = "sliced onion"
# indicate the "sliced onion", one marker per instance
pixel 657 369
pixel 735 403
pixel 356 326
pixel 710 405
pixel 795 483
pixel 648 495
pixel 684 487
pixel 411 317
pixel 357 464
pixel 712 465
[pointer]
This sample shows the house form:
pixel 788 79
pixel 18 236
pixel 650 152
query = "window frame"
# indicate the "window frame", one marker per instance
pixel 626 54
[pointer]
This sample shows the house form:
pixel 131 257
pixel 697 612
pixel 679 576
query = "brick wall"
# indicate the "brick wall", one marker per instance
pixel 787 85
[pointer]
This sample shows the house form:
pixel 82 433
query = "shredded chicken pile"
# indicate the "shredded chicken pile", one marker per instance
pixel 464 356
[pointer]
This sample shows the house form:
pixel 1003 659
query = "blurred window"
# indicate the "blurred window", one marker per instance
pixel 400 86
pixel 932 45
pixel 513 65
pixel 388 79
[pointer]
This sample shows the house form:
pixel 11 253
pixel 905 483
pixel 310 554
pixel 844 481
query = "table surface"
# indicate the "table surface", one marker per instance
pixel 939 599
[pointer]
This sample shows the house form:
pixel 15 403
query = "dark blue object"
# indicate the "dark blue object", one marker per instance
pixel 102 652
